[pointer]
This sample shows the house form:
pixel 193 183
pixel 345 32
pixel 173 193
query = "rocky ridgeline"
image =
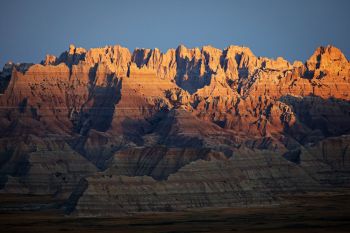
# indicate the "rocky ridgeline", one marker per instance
pixel 113 131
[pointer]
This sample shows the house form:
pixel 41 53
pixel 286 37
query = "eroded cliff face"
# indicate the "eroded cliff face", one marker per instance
pixel 154 120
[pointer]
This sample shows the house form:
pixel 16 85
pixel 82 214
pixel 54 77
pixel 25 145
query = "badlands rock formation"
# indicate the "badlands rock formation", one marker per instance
pixel 113 131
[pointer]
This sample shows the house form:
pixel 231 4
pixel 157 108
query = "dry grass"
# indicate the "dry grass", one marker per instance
pixel 312 213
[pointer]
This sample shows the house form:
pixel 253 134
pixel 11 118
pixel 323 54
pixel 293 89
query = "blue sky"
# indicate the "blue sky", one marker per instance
pixel 292 29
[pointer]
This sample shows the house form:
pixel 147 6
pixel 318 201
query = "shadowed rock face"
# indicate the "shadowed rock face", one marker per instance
pixel 125 131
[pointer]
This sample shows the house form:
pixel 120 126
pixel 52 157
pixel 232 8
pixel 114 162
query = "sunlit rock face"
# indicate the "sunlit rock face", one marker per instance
pixel 115 131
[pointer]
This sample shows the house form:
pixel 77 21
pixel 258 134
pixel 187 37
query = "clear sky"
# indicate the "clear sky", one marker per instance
pixel 288 28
